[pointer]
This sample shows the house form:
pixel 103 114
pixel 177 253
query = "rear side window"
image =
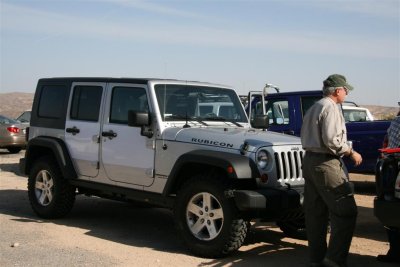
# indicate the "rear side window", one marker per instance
pixel 86 103
pixel 51 101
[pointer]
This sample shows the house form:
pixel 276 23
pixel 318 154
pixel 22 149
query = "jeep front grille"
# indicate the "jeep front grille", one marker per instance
pixel 288 164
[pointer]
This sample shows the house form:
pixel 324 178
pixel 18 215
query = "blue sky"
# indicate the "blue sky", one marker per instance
pixel 244 44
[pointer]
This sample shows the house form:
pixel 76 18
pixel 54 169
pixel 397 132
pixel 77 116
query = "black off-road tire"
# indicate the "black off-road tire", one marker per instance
pixel 222 214
pixel 50 194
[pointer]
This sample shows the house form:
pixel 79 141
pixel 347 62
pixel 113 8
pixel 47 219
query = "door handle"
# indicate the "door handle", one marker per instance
pixel 72 130
pixel 110 134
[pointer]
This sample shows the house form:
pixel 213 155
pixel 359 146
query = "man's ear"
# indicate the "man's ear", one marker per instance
pixel 335 93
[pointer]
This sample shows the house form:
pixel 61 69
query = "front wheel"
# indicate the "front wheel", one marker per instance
pixel 50 194
pixel 207 220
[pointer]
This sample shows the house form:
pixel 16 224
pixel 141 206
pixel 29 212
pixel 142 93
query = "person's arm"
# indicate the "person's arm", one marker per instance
pixel 333 136
pixel 354 156
pixel 332 132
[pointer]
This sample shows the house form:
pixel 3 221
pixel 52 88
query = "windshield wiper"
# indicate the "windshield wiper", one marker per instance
pixel 217 118
pixel 186 118
pixel 175 117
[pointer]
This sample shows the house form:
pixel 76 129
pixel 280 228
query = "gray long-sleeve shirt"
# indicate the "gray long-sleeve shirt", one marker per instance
pixel 323 129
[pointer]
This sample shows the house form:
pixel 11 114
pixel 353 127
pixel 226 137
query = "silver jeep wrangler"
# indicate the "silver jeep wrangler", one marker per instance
pixel 187 146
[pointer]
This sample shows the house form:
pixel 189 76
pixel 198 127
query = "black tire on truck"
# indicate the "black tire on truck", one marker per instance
pixel 50 195
pixel 207 220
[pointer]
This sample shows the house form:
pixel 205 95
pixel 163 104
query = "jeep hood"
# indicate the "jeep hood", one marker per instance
pixel 232 138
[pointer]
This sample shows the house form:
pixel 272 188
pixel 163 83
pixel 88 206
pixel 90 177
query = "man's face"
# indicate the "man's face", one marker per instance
pixel 341 94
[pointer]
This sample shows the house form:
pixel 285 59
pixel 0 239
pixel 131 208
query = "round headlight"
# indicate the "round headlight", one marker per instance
pixel 262 159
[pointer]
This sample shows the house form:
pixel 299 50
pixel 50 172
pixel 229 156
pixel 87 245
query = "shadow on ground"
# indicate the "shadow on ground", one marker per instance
pixel 153 228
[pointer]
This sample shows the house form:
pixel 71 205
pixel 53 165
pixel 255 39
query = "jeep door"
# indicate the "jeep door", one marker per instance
pixel 83 127
pixel 127 156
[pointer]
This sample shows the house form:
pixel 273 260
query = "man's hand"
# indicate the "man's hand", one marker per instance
pixel 356 158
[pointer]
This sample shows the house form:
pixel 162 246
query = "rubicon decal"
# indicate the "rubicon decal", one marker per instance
pixel 211 142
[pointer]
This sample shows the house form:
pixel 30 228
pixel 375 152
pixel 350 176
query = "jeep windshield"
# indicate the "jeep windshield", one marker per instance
pixel 199 103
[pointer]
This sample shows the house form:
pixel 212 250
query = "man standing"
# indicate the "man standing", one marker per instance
pixel 393 232
pixel 394 132
pixel 328 195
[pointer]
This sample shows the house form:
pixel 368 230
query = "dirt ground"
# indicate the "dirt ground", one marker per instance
pixel 101 232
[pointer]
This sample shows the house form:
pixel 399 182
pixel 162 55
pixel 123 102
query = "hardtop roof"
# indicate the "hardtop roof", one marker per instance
pixel 119 80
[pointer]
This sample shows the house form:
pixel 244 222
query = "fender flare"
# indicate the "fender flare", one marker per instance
pixel 58 149
pixel 242 167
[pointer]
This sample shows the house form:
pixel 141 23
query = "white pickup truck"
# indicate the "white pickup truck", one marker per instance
pixel 355 113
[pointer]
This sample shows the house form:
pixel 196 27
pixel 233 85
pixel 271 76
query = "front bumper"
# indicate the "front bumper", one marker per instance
pixel 270 203
pixel 387 212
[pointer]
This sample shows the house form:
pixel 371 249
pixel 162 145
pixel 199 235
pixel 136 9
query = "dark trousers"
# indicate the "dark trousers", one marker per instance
pixel 328 196
pixel 393 234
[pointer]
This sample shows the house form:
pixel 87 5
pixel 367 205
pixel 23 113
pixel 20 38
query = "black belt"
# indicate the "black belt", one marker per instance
pixel 320 154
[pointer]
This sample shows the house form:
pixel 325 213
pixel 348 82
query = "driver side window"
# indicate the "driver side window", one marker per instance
pixel 124 99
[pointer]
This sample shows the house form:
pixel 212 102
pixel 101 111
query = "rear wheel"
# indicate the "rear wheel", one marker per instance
pixel 50 195
pixel 207 220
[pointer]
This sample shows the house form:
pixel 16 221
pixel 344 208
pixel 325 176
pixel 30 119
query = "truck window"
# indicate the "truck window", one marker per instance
pixel 124 99
pixel 278 112
pixel 355 115
pixel 205 110
pixel 24 117
pixel 86 103
pixel 52 98
pixel 307 102
pixel 179 101
pixel 228 112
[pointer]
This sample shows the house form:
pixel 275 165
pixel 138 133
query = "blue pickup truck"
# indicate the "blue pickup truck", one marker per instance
pixel 286 111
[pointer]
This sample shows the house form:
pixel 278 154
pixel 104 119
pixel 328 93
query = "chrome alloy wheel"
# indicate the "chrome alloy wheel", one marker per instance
pixel 204 216
pixel 44 187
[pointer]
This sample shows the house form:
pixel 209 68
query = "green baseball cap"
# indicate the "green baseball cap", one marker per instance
pixel 337 80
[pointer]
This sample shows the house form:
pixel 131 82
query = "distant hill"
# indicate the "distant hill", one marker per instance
pixel 382 113
pixel 13 104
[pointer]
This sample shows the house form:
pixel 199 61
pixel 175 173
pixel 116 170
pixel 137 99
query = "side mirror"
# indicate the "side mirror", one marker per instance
pixel 140 119
pixel 260 122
